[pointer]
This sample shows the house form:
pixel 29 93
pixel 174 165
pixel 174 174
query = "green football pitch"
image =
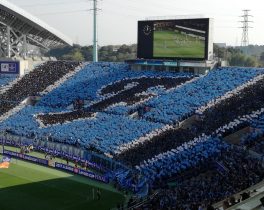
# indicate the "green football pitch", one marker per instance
pixel 174 44
pixel 26 186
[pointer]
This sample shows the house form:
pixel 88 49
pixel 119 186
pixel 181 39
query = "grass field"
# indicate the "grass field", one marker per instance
pixel 26 186
pixel 175 44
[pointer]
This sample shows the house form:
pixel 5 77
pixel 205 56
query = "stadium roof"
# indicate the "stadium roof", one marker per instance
pixel 38 32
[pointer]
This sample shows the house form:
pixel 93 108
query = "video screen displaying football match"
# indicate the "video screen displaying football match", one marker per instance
pixel 186 38
pixel 178 40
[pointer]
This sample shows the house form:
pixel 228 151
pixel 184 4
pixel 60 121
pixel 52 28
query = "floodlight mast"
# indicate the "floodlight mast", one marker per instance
pixel 95 37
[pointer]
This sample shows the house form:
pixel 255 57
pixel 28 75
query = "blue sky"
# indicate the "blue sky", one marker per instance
pixel 118 18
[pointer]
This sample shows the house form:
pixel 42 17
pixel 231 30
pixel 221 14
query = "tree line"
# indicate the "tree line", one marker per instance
pixel 251 56
pixel 112 53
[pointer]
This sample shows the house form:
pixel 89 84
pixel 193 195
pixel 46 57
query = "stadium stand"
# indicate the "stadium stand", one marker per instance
pixel 137 118
pixel 34 83
pixel 119 124
pixel 174 106
pixel 212 119
pixel 207 183
pixel 5 80
pixel 174 140
pixel 94 77
pixel 253 137
pixel 130 95
pixel 61 97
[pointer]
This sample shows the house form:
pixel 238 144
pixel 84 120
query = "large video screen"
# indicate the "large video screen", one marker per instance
pixel 179 39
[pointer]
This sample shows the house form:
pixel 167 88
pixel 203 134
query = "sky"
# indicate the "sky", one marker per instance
pixel 117 19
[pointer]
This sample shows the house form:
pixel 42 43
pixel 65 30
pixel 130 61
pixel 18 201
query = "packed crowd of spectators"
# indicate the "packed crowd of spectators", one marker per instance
pixel 120 92
pixel 255 142
pixel 87 83
pixel 4 80
pixel 176 105
pixel 96 76
pixel 199 187
pixel 35 82
pixel 254 138
pixel 186 156
pixel 212 121
pixel 108 130
pixel 118 129
pixel 154 142
pixel 104 132
pixel 231 108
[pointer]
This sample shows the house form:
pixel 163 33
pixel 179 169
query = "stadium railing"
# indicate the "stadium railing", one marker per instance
pixel 258 189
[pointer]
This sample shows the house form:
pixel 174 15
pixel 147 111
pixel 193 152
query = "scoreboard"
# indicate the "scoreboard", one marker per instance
pixel 9 67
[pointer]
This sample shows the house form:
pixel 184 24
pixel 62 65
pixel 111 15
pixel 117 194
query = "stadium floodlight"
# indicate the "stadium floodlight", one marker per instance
pixel 95 35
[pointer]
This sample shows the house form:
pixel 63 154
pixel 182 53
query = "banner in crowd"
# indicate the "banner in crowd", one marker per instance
pixel 26 157
pixel 16 142
pixel 44 146
pixel 5 162
pixel 56 149
pixel 50 147
pixel 60 150
pixel 81 172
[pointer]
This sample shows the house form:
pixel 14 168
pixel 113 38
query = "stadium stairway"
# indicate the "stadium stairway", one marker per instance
pixel 236 137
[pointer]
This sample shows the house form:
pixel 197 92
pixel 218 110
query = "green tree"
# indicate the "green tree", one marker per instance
pixel 262 58
pixel 251 62
pixel 220 52
pixel 239 59
pixel 87 53
pixel 77 56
